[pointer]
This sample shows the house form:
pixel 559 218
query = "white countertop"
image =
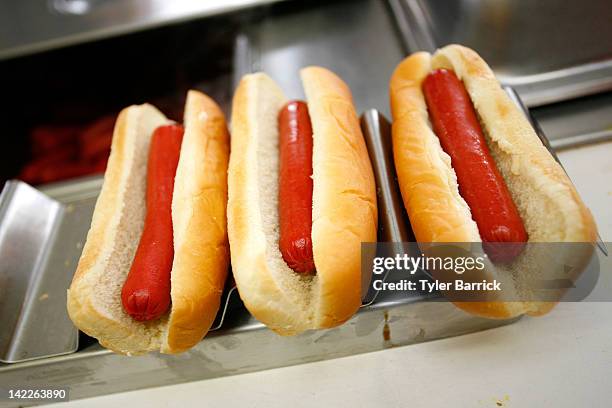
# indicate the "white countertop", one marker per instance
pixel 562 359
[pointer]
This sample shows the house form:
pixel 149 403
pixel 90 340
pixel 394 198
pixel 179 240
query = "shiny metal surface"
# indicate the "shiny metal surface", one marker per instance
pixel 38 258
pixel 355 39
pixel 393 222
pixel 32 26
pixel 245 345
pixel 41 237
pixel 229 298
pixel 548 50
pixel 578 122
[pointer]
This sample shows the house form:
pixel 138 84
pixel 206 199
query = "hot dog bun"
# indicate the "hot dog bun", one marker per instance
pixel 547 201
pixel 201 254
pixel 344 205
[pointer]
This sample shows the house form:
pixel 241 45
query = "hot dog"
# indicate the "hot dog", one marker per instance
pixel 480 182
pixel 295 186
pixel 146 291
pixel 472 170
pixel 156 257
pixel 285 188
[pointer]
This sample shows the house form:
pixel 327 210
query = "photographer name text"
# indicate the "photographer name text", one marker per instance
pixel 429 286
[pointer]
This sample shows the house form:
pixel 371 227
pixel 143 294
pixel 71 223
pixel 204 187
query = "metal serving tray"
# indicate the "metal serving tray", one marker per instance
pixel 41 238
pixel 548 50
pixel 39 243
pixel 242 344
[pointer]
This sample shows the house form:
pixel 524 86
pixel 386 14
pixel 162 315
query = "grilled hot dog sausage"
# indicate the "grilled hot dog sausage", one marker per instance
pixel 295 187
pixel 480 182
pixel 146 291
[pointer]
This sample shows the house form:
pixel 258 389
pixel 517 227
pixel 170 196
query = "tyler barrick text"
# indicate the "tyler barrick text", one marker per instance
pixel 428 286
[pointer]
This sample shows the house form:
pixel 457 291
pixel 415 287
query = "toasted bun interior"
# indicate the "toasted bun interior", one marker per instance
pixel 288 302
pixel 548 203
pixel 94 298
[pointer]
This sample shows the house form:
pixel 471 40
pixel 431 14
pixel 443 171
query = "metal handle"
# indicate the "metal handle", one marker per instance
pixel 392 219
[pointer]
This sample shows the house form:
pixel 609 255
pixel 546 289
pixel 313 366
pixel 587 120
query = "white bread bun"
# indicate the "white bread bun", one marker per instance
pixel 344 205
pixel 200 239
pixel 547 201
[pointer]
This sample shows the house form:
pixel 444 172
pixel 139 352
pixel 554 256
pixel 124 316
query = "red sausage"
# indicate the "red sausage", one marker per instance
pixel 295 187
pixel 480 182
pixel 146 291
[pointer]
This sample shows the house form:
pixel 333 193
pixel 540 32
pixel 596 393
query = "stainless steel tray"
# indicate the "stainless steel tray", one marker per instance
pixel 246 346
pixel 41 237
pixel 39 244
pixel 242 344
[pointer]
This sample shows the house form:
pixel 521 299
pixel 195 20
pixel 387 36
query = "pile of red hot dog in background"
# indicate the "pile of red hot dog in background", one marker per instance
pixel 60 152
